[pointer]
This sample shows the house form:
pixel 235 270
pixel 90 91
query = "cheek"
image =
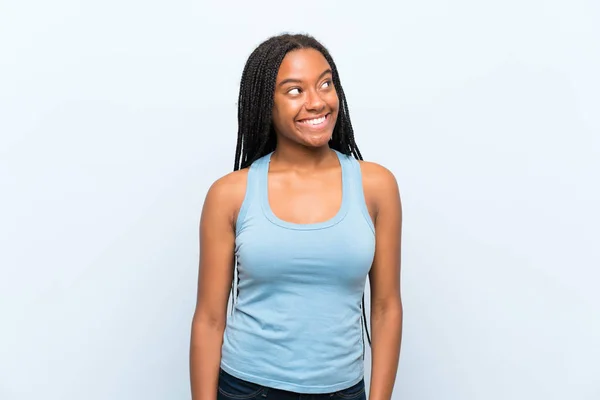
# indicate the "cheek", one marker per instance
pixel 284 112
pixel 333 101
pixel 280 118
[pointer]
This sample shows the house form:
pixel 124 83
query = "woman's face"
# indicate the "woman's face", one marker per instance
pixel 305 106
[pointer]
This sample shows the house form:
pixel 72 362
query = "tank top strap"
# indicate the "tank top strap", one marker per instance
pixel 355 187
pixel 252 196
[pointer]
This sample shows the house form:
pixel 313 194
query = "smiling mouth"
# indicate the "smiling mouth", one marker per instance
pixel 315 123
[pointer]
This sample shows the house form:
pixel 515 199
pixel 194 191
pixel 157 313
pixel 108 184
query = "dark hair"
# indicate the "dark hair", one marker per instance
pixel 256 136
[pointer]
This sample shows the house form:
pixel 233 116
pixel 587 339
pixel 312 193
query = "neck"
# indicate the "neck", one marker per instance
pixel 303 158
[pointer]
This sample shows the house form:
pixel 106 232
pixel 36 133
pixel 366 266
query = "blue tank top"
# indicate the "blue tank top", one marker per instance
pixel 297 322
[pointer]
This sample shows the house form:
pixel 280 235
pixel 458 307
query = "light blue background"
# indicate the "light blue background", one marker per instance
pixel 116 116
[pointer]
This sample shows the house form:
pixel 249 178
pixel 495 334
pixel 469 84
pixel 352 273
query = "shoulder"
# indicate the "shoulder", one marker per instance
pixel 226 194
pixel 229 187
pixel 379 184
pixel 377 175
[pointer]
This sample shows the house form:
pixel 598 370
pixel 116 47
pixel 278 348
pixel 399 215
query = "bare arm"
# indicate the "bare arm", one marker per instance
pixel 214 282
pixel 386 303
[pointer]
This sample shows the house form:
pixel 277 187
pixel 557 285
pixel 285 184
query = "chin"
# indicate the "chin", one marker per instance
pixel 316 141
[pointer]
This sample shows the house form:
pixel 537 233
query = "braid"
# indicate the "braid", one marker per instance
pixel 256 136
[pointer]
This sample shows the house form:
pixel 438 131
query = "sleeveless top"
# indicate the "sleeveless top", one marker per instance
pixel 297 321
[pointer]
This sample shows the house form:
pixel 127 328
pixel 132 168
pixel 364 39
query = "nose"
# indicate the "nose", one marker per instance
pixel 314 101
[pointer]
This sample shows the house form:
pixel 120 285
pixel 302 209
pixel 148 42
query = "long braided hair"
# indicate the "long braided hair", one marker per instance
pixel 256 135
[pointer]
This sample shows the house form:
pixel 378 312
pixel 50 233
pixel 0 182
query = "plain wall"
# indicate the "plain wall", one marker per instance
pixel 116 116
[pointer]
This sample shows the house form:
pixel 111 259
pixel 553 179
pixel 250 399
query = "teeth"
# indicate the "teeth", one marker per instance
pixel 314 121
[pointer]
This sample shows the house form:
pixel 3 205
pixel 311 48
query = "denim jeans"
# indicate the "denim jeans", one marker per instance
pixel 232 388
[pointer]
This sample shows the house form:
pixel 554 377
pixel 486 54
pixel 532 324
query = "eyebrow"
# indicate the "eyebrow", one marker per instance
pixel 293 80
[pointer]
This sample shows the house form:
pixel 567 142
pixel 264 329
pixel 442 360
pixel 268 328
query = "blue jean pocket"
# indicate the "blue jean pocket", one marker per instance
pixel 234 388
pixel 354 392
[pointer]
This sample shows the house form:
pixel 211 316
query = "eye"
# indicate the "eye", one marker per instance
pixel 328 83
pixel 294 91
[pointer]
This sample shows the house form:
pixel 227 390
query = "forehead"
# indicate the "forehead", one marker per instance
pixel 304 64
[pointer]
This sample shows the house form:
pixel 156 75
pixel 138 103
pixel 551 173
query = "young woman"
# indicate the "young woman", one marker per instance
pixel 304 221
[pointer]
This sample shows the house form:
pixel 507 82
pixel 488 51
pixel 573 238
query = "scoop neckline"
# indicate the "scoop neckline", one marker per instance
pixel 266 206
